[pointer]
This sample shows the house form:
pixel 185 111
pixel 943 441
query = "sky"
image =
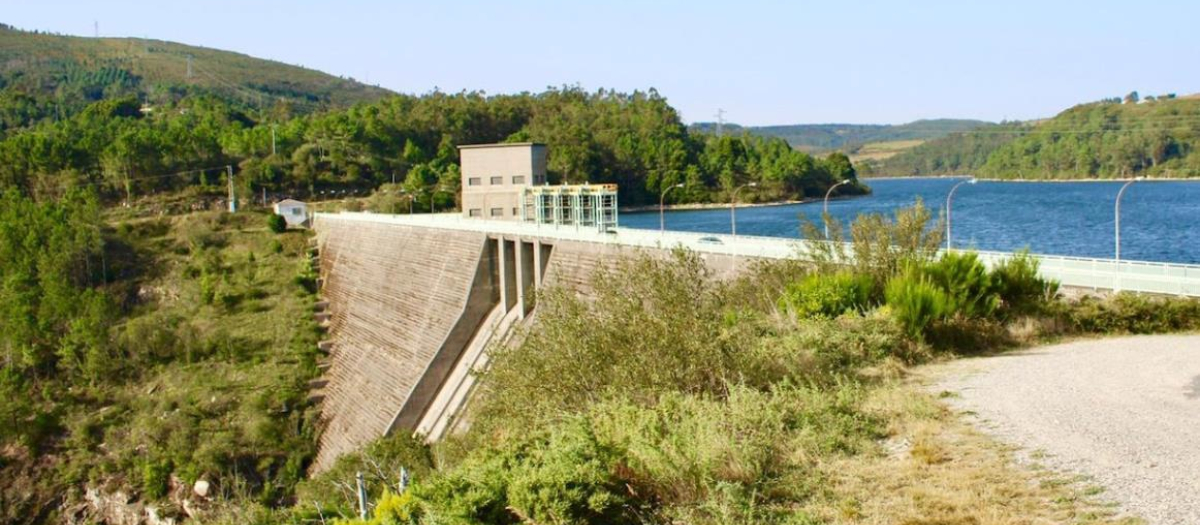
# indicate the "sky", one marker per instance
pixel 760 62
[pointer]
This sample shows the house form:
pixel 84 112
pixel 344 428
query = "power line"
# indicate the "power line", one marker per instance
pixel 162 176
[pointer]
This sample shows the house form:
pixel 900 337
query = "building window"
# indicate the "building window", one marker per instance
pixel 514 212
pixel 518 179
pixel 295 211
pixel 497 181
pixel 497 212
pixel 474 181
pixel 476 212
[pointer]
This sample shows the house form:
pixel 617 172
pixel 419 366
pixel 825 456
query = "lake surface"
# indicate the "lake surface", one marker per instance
pixel 1160 220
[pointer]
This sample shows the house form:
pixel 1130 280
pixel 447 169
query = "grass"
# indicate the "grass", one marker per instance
pixel 878 151
pixel 668 397
pixel 949 474
pixel 211 389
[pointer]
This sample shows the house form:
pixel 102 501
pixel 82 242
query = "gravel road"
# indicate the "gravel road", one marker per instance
pixel 1124 411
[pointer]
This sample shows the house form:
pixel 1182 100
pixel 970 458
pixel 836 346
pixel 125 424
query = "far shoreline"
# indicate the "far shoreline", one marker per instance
pixel 994 179
pixel 699 206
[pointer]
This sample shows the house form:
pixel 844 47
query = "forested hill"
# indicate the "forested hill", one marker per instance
pixel 1113 138
pixel 72 71
pixel 824 137
pixel 122 116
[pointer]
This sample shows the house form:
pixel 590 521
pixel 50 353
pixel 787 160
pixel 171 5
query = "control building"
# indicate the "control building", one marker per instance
pixel 508 182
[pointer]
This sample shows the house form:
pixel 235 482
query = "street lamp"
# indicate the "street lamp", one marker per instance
pixel 825 217
pixel 662 223
pixel 1117 213
pixel 950 196
pixel 733 207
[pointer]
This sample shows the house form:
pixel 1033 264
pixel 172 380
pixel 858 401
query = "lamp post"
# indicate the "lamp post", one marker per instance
pixel 1117 214
pixel 662 222
pixel 733 206
pixel 825 213
pixel 949 197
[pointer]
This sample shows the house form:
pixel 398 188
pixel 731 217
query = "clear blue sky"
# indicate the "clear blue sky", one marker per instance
pixel 762 62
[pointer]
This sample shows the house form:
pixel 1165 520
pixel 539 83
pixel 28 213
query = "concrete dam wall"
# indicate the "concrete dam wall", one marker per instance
pixel 401 300
pixel 413 308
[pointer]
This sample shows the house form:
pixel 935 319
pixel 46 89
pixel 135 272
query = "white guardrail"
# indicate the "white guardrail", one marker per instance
pixel 1078 272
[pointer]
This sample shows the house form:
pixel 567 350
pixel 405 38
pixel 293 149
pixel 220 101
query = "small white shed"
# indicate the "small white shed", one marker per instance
pixel 293 211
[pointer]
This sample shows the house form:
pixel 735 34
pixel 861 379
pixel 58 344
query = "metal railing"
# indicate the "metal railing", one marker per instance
pixel 1077 272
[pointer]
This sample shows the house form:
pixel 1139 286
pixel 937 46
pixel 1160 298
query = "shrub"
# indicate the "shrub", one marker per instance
pixel 392 509
pixel 208 288
pixel 1020 287
pixel 276 223
pixel 827 296
pixel 155 476
pixel 1131 313
pixel 650 325
pixel 380 463
pixel 916 302
pixel 878 246
pixel 967 284
pixel 741 459
pixel 562 476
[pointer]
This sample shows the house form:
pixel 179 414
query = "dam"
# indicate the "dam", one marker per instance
pixel 415 301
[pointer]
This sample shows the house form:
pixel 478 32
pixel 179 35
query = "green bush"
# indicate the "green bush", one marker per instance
pixel 391 509
pixel 877 245
pixel 1020 287
pixel 1135 314
pixel 650 325
pixel 741 459
pixel 155 477
pixel 966 282
pixel 828 296
pixel 276 223
pixel 916 302
pixel 380 463
pixel 562 476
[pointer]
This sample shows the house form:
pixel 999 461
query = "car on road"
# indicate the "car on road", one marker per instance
pixel 710 240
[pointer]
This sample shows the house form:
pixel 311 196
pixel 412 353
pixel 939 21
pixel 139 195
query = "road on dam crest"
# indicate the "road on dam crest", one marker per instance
pixel 1124 411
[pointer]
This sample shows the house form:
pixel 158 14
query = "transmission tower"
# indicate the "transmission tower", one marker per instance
pixel 720 122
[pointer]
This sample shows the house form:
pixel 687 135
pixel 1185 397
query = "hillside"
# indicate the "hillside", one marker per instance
pixel 77 68
pixel 1107 139
pixel 184 357
pixel 848 137
pixel 953 154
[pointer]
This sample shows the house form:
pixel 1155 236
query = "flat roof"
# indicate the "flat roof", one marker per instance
pixel 573 188
pixel 503 145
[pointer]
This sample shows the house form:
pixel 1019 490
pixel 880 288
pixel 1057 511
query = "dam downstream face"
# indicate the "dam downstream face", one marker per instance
pixel 413 308
pixel 395 294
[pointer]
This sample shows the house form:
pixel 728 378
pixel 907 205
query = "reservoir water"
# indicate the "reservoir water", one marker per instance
pixel 1160 220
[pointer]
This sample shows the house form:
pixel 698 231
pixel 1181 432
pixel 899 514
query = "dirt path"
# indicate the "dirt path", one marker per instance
pixel 1123 411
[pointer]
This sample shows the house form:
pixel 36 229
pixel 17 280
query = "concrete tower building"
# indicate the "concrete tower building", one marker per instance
pixel 495 176
pixel 508 182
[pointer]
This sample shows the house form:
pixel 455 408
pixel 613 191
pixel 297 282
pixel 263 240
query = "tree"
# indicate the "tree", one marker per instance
pixel 276 223
pixel 1132 97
